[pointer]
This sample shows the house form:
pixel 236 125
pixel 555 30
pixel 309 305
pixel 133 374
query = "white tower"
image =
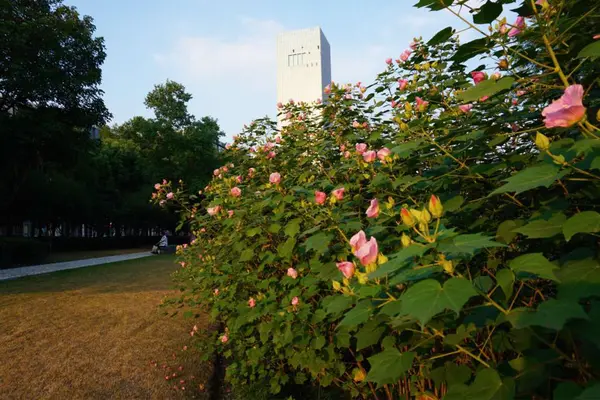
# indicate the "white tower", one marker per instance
pixel 303 65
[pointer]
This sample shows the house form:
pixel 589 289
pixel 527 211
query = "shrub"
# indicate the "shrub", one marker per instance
pixel 460 260
pixel 15 251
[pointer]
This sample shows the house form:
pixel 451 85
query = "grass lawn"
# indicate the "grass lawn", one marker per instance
pixel 97 333
pixel 82 255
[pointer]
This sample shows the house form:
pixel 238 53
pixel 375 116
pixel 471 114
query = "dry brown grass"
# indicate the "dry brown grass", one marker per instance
pixel 95 333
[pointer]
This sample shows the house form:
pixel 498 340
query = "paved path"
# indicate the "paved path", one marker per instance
pixel 13 273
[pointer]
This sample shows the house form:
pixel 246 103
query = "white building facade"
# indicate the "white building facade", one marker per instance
pixel 303 65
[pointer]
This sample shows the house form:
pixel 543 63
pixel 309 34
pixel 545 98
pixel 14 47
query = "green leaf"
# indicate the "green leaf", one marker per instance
pixel 534 263
pixel 596 162
pixel 470 49
pixel 592 50
pixel 274 228
pixel 579 279
pixel 566 391
pixel 427 298
pixel 441 36
pixel 532 177
pixel 454 203
pixel 434 5
pixel 488 87
pixel 318 342
pixel 553 314
pixel 543 229
pixel 359 314
pixel 467 244
pixel 506 280
pixel 584 222
pixel 405 149
pixel 399 260
pixel 487 386
pixel 591 393
pixel 368 336
pixel 505 232
pixel 253 231
pixel 487 13
pixel 246 255
pixel 293 227
pixel 389 365
pixel 286 248
pixel 319 242
pixel 392 308
pixel 339 304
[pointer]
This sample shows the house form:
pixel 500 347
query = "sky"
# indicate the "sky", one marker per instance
pixel 223 52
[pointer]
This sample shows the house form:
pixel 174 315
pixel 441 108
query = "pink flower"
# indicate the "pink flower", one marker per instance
pixel 521 92
pixel 388 61
pixel 216 294
pixel 346 268
pixel 356 124
pixel 383 153
pixel 347 154
pixel 216 172
pixel 320 197
pixel 483 98
pixel 421 104
pixel 279 105
pixel 278 139
pixel 239 179
pixel 361 148
pixel 292 273
pixel 478 76
pixel 343 147
pixel 393 104
pixel 295 301
pixel 402 84
pixel 369 156
pixel 541 2
pixel 566 111
pixel 373 210
pixel 357 241
pixel 225 168
pixel 291 101
pixel 224 339
pixel 213 210
pixel 288 115
pixel 413 45
pixel 327 89
pixel 170 195
pixel 230 213
pixel 236 192
pixel 271 155
pixel 496 75
pixel 251 302
pixel 367 253
pixel 596 37
pixel 157 186
pixel 227 146
pixel 465 107
pixel 251 172
pixel 275 178
pixel 405 54
pixel 515 102
pixel 518 27
pixel 338 193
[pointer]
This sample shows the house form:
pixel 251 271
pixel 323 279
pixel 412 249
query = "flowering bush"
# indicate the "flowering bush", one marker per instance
pixel 432 235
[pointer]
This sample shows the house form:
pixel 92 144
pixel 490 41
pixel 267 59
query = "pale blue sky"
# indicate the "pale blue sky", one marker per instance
pixel 224 51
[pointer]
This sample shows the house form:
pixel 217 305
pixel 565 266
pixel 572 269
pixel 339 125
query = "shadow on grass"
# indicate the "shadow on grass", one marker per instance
pixel 138 275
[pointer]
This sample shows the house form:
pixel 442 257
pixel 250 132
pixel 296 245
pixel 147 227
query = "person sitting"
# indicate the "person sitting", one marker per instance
pixel 162 244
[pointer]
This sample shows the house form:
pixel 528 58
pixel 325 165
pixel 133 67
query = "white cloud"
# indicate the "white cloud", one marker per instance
pixel 247 60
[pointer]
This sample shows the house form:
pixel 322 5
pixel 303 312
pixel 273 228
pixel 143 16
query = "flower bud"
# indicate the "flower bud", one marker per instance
pixel 559 159
pixel 407 218
pixel 336 285
pixel 425 216
pixel 359 375
pixel 406 240
pixel 362 278
pixel 503 64
pixel 447 265
pixel 381 259
pixel 542 142
pixel 435 206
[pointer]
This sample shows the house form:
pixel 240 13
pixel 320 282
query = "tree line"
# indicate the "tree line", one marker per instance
pixel 54 172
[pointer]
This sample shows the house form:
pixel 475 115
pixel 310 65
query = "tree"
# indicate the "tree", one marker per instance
pixel 49 95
